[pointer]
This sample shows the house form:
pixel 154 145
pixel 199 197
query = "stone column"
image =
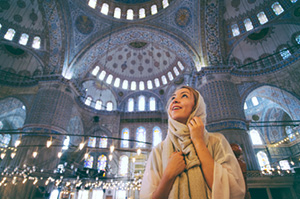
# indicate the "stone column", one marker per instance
pixel 48 117
pixel 225 113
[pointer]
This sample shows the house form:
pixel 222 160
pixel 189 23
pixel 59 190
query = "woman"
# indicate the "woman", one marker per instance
pixel 190 162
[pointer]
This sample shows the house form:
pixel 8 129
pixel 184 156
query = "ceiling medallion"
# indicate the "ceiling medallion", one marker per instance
pixel 84 24
pixel 183 17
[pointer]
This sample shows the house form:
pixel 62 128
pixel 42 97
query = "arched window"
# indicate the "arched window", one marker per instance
pixel 102 161
pixel 4 140
pixel 123 165
pixel 92 3
pixel 142 103
pixel 152 104
pixel 36 42
pixel 164 79
pixel 157 136
pixel 109 79
pixel 98 105
pixel 54 194
pixel 141 86
pixel 9 35
pixel 83 194
pixel 125 135
pixel 175 69
pixel 180 65
pixel 24 39
pixel 165 3
pixel 235 30
pixel 290 134
pixel 92 142
pixel 284 165
pixel 297 38
pixel 153 9
pixel 109 106
pixel 105 8
pixel 125 84
pixel 120 194
pixel 88 101
pixel 255 137
pixel 66 143
pixel 141 136
pixel 156 82
pixel 103 142
pixel 95 70
pixel 263 160
pixel 142 13
pixel 130 105
pixel 170 75
pixel 149 84
pixel 277 8
pixel 102 75
pixel 88 162
pixel 117 13
pixel 245 106
pixel 254 101
pixel 262 18
pixel 248 24
pixel 285 53
pixel 133 86
pixel 117 82
pixel 129 14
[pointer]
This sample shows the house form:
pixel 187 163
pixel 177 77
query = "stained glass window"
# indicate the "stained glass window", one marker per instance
pixel 149 84
pixel 284 165
pixel 153 9
pixel 105 8
pixel 66 143
pixel 142 103
pixel 102 75
pixel 125 84
pixel 97 194
pixel 117 82
pixel 277 8
pixel 109 106
pixel 92 142
pixel 92 3
pixel 98 105
pixel 142 85
pixel 164 79
pixel 156 82
pixel 290 134
pixel 88 162
pixel 175 69
pixel 133 86
pixel 152 104
pixel 248 24
pixel 263 160
pixel 255 137
pixel 130 107
pixel 123 165
pixel 262 18
pixel 103 142
pixel 285 53
pixel 54 194
pixel 235 30
pixel 141 136
pixel 157 137
pixel 180 65
pixel 4 140
pixel 165 3
pixel 24 39
pixel 83 194
pixel 121 194
pixel 95 70
pixel 129 15
pixel 88 101
pixel 125 135
pixel 109 79
pixel 36 42
pixel 10 34
pixel 170 75
pixel 102 161
pixel 117 13
pixel 142 13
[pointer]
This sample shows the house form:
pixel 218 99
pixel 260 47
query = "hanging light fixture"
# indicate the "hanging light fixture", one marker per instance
pixel 3 155
pixel 112 148
pixel 81 145
pixel 139 151
pixel 59 154
pixel 12 155
pixel 34 154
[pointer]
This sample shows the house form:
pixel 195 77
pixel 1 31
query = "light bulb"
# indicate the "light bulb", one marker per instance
pixel 35 181
pixel 86 155
pixel 133 160
pixel 110 157
pixel 34 154
pixel 49 143
pixel 17 143
pixel 24 180
pixel 292 163
pixel 112 148
pixel 2 155
pixel 59 154
pixel 139 151
pixel 12 155
pixel 81 145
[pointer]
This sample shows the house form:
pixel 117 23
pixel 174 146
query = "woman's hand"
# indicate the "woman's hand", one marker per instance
pixel 196 128
pixel 176 165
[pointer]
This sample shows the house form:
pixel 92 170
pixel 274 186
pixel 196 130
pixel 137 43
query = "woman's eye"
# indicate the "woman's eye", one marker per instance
pixel 184 95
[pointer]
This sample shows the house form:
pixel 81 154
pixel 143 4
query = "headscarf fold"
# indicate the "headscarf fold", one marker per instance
pixel 191 182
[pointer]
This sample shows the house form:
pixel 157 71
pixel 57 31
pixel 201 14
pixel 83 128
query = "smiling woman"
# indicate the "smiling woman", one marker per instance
pixel 190 162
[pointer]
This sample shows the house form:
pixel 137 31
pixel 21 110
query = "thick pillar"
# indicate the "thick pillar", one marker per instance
pixel 225 113
pixel 48 117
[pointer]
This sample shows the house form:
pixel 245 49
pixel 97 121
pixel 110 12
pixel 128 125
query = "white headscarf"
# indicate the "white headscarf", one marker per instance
pixel 190 183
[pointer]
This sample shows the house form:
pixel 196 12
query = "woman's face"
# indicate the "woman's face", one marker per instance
pixel 181 105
